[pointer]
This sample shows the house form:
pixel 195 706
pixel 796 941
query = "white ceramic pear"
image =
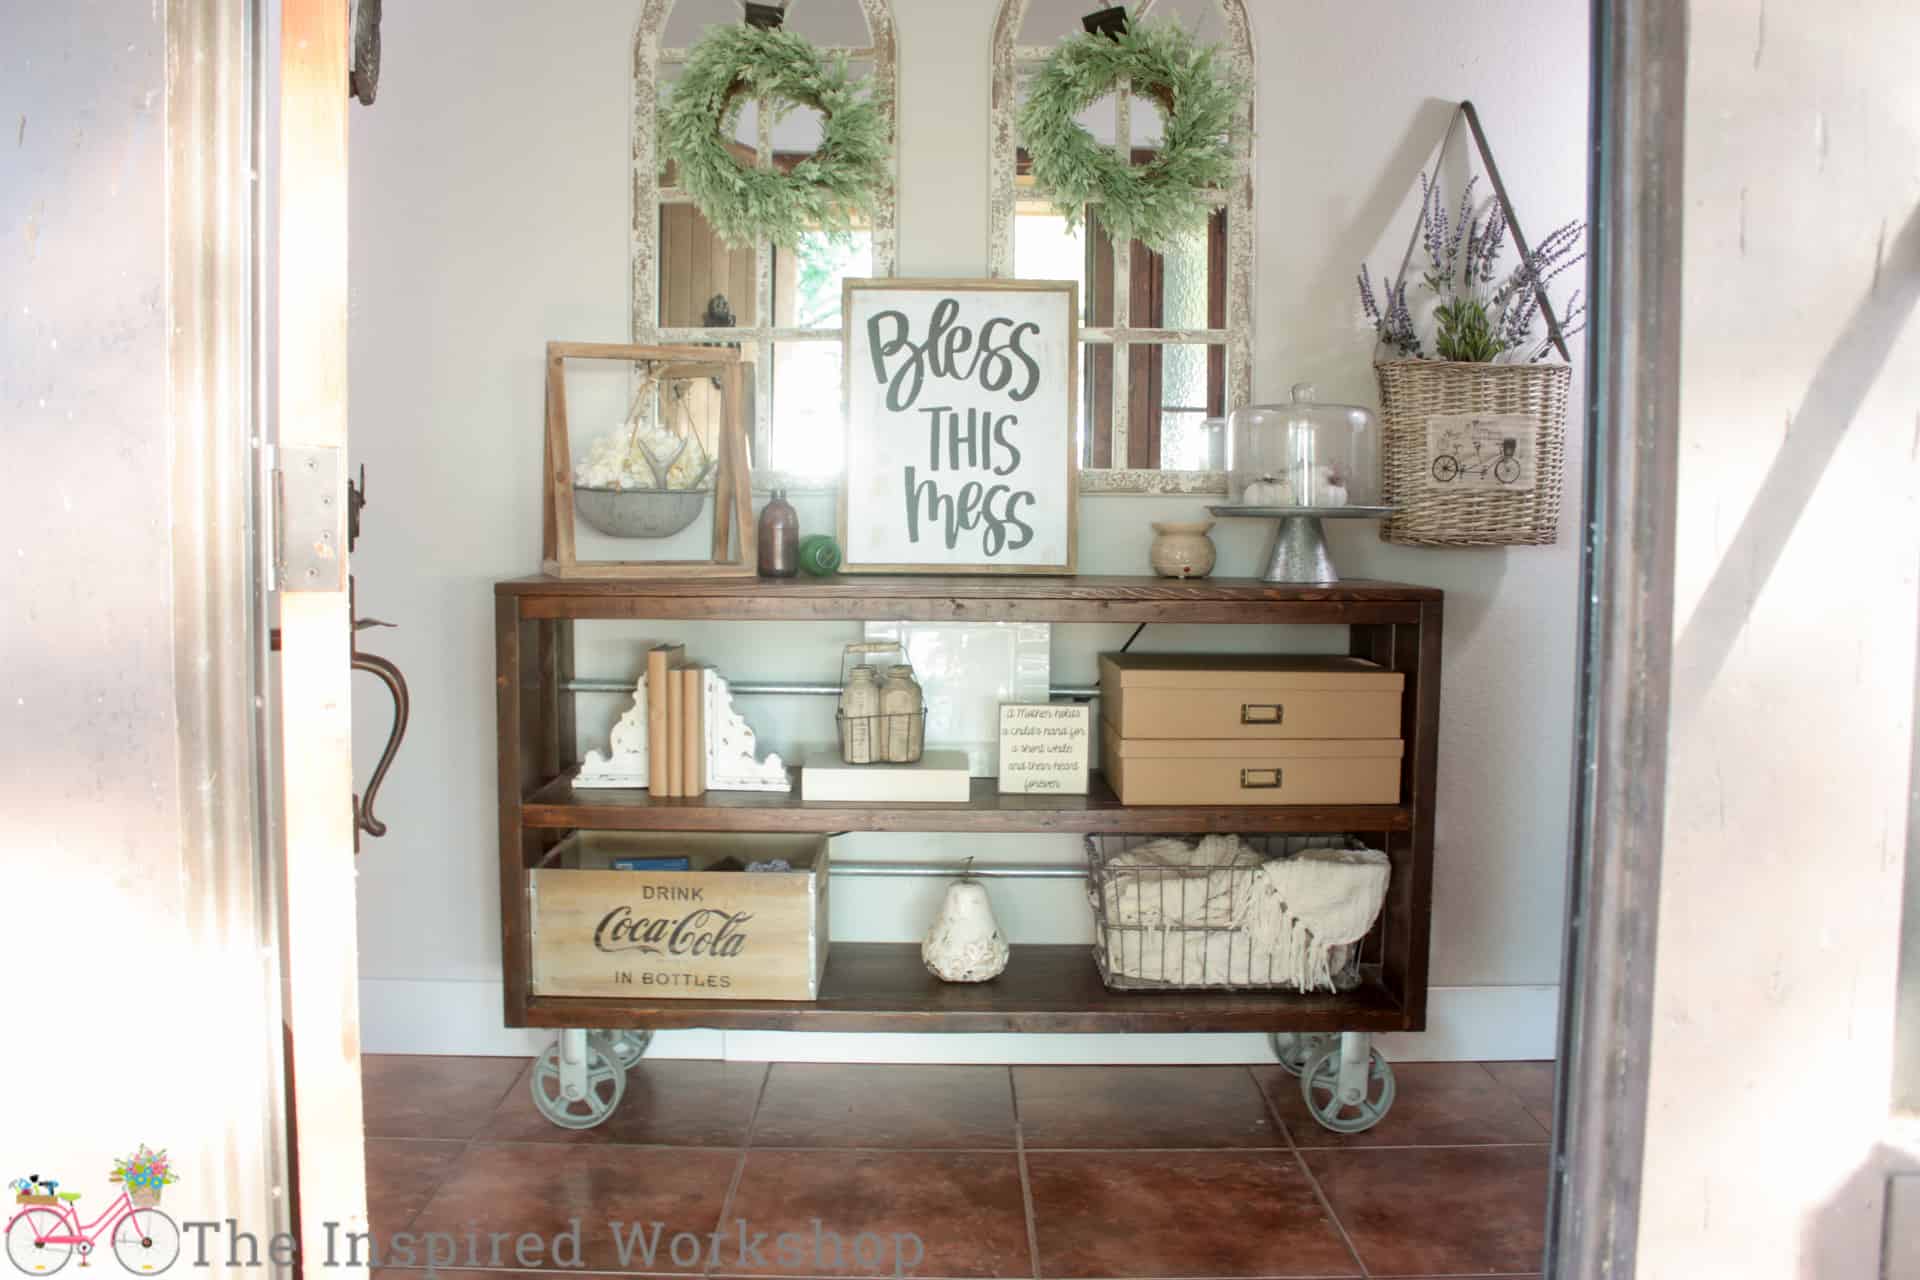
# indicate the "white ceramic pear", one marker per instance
pixel 965 943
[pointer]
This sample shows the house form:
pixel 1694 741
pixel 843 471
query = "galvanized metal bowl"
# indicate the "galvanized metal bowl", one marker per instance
pixel 638 513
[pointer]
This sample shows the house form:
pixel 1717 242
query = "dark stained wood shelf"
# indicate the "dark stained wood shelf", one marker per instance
pixel 969 598
pixel 874 987
pixel 883 986
pixel 559 805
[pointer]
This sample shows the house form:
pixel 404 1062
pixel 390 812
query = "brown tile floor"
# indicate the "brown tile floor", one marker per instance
pixel 1062 1173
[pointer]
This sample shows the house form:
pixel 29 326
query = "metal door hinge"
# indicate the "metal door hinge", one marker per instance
pixel 309 519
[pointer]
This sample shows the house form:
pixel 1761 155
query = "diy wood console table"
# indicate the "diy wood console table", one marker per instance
pixel 883 987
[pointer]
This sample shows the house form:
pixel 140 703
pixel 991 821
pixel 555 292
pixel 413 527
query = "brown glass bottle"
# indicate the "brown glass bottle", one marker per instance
pixel 779 538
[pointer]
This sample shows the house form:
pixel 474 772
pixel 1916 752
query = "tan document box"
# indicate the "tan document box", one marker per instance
pixel 1194 771
pixel 1247 696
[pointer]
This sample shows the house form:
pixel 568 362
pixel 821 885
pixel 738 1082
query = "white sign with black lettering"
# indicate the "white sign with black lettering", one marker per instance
pixel 960 403
pixel 1043 747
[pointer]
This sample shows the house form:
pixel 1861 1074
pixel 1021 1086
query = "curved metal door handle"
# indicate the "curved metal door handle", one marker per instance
pixel 363 819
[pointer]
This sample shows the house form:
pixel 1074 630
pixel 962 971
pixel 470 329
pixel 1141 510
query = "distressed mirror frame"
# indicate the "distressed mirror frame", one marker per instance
pixel 1010 59
pixel 649 195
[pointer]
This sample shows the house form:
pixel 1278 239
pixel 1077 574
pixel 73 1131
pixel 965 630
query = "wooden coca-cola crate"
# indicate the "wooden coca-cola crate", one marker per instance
pixel 700 934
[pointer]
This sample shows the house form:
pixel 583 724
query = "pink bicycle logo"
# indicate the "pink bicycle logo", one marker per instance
pixel 46 1230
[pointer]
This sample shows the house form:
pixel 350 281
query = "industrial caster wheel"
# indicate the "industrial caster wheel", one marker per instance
pixel 1295 1050
pixel 628 1047
pixel 1348 1094
pixel 579 1080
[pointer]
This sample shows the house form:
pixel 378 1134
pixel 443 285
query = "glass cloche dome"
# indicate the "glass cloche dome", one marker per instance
pixel 1303 454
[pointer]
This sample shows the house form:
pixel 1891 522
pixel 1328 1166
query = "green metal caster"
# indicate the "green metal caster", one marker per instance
pixel 1295 1049
pixel 579 1080
pixel 628 1047
pixel 1348 1086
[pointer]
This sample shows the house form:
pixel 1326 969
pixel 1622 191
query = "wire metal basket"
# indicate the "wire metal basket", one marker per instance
pixel 897 737
pixel 1174 928
pixel 888 737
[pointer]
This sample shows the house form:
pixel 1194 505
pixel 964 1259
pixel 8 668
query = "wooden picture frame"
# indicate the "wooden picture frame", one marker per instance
pixel 734 548
pixel 879 519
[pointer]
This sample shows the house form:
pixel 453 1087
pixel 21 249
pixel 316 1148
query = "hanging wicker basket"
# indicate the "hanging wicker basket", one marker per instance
pixel 1436 505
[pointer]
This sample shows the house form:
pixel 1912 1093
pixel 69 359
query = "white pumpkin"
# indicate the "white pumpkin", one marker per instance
pixel 1267 492
pixel 965 943
pixel 1329 488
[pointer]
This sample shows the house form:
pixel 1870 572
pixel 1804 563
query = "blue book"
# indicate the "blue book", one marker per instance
pixel 652 864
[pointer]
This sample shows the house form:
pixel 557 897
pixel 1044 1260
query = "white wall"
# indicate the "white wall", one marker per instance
pixel 490 214
pixel 1791 743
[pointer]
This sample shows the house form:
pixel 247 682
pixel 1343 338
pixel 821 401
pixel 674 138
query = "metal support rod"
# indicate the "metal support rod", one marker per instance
pixel 1356 1062
pixel 1003 871
pixel 573 1063
pixel 774 687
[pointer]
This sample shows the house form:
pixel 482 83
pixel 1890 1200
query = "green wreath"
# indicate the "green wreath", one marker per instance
pixel 827 191
pixel 1201 108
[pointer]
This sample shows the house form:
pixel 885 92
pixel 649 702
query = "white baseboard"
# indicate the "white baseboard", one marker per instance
pixel 1465 1024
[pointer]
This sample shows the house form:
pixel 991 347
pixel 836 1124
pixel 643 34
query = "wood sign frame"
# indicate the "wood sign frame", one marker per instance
pixel 734 550
pixel 984 508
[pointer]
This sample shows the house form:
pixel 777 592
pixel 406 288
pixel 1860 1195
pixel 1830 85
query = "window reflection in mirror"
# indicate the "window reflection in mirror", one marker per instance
pixel 1173 386
pixel 782 305
pixel 1165 333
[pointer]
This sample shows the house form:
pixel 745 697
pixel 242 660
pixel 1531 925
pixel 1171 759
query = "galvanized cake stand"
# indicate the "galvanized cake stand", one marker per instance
pixel 1299 542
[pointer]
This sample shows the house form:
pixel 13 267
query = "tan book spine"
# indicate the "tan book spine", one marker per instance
pixel 676 743
pixel 660 659
pixel 694 731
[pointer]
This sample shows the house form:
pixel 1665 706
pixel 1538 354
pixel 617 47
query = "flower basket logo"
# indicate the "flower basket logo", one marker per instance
pixel 143 1173
pixel 46 1229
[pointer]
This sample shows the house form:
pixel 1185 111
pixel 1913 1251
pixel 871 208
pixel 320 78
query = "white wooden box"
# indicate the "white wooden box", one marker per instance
pixel 693 935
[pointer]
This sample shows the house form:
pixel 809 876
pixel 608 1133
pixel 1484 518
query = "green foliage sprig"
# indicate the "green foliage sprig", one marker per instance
pixel 1203 121
pixel 842 182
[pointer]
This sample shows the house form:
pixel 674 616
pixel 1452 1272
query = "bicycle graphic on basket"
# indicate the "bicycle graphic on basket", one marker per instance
pixel 1505 468
pixel 46 1231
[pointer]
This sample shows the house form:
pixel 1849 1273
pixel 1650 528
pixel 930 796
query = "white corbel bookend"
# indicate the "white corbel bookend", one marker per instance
pixel 731 765
pixel 626 765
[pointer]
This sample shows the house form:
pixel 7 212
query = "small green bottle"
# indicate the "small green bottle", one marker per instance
pixel 819 555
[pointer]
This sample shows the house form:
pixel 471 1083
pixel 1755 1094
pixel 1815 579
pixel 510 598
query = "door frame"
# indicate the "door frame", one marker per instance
pixel 316 801
pixel 233 893
pixel 258 350
pixel 1637 134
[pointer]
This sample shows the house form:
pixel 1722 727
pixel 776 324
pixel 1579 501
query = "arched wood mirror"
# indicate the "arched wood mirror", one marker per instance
pixel 1166 336
pixel 782 305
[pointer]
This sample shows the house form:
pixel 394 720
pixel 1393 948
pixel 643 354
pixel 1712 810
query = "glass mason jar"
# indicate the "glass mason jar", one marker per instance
pixel 903 726
pixel 1304 454
pixel 859 713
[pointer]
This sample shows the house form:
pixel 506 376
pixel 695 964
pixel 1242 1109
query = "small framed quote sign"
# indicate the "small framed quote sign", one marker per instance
pixel 960 408
pixel 1043 747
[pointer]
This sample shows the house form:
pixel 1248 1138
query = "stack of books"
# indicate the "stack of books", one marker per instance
pixel 676 723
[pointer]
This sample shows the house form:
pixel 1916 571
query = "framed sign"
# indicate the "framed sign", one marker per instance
pixel 961 401
pixel 1043 747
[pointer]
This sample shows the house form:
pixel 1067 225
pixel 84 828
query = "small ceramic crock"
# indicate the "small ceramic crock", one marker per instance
pixel 1182 550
